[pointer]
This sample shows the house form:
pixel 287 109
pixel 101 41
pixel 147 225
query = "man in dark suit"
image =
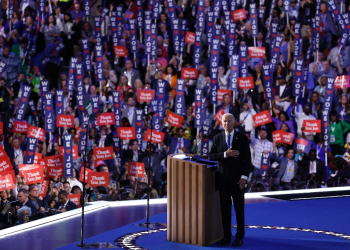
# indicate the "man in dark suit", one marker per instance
pixel 312 168
pixel 65 204
pixel 130 111
pixel 178 144
pixel 23 198
pixel 134 155
pixel 228 107
pixel 129 72
pixel 283 90
pixel 231 150
pixel 16 154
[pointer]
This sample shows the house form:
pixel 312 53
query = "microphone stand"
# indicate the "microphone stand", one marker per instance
pixel 148 224
pixel 87 126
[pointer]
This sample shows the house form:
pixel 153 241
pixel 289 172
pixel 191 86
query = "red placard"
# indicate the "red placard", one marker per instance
pixel 2 152
pixel 277 136
pixel 312 126
pixel 238 15
pixel 105 153
pixel 5 164
pixel 1 128
pixel 6 182
pixel 52 172
pixel 23 168
pixel 34 176
pixel 37 157
pixel 10 172
pixel 98 179
pixel 256 52
pixel 36 132
pixel 126 133
pixel 65 121
pixel 219 115
pixel 174 119
pixel 75 151
pixel 43 188
pixel 189 38
pixel 280 136
pixel 288 138
pixel 75 198
pixel 120 51
pixel 136 169
pixel 145 95
pixel 222 92
pixel 341 82
pixel 20 127
pixel 189 73
pixel 54 166
pixel 106 119
pixel 245 82
pixel 81 177
pixel 262 118
pixel 157 137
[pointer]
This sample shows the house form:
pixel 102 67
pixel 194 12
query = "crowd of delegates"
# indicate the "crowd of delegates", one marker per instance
pixel 289 168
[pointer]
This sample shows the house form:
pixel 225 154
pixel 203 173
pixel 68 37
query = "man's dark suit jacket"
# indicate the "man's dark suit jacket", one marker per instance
pixel 320 170
pixel 233 167
pixel 129 154
pixel 173 142
pixel 232 110
pixel 287 92
pixel 70 205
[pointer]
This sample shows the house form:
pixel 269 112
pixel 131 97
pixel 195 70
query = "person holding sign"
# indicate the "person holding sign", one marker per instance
pixel 231 150
pixel 259 146
pixel 246 117
pixel 300 117
pixel 337 128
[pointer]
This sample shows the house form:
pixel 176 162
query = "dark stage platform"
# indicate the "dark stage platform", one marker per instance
pixel 297 221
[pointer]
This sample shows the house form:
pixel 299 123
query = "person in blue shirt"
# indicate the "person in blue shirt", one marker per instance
pixel 77 13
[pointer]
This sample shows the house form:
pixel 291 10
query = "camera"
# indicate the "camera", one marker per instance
pixel 15 203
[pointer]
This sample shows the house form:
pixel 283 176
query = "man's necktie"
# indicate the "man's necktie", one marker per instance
pixel 228 141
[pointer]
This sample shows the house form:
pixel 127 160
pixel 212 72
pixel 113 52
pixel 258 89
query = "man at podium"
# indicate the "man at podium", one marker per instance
pixel 231 150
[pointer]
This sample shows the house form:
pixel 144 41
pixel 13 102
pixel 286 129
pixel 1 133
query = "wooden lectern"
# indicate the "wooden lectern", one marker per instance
pixel 194 215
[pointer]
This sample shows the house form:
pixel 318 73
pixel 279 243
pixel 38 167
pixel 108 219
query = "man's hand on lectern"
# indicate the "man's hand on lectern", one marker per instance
pixel 232 153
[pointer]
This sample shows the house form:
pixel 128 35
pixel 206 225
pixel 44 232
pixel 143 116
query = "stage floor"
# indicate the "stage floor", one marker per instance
pixel 271 224
pixel 305 224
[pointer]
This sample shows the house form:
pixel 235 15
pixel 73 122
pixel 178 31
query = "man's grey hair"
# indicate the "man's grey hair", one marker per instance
pixel 229 114
pixel 22 209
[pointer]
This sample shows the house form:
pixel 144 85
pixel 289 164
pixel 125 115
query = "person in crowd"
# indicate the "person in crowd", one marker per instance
pixel 300 117
pixel 134 154
pixel 289 168
pixel 23 214
pixel 5 206
pixel 178 144
pixel 64 204
pixel 260 146
pixel 128 71
pixel 337 129
pixel 246 117
pixel 312 169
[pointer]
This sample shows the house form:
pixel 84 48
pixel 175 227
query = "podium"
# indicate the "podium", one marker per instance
pixel 194 215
